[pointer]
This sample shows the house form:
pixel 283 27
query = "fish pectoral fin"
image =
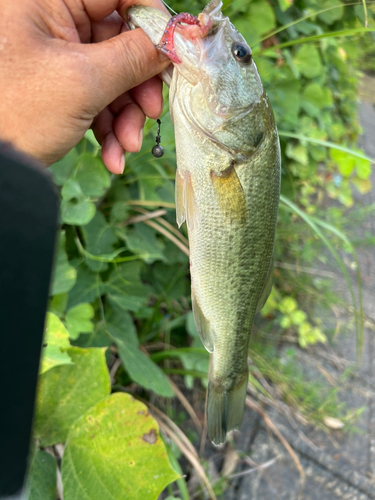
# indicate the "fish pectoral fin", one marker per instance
pixel 267 287
pixel 229 193
pixel 186 206
pixel 202 324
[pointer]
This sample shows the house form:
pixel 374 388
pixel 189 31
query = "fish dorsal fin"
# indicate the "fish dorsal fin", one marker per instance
pixel 202 325
pixel 267 287
pixel 186 206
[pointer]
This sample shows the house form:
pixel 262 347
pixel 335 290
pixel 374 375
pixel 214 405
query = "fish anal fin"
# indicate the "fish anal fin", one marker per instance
pixel 179 196
pixel 267 287
pixel 202 324
pixel 229 193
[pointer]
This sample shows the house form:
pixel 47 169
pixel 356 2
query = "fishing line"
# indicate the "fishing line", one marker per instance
pixel 158 150
pixel 169 8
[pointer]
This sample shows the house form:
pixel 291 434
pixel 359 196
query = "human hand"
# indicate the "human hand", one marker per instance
pixel 68 64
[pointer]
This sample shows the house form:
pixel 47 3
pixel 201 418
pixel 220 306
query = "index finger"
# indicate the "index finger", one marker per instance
pixel 98 10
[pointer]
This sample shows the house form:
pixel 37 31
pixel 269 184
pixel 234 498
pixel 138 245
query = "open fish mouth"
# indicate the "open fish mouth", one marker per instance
pixel 180 42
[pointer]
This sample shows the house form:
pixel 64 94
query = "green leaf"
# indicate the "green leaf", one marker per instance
pixel 285 4
pixel 285 322
pixel 344 162
pixel 128 302
pixel 119 212
pixel 328 144
pixel 142 241
pixel 140 367
pixel 287 305
pixel 66 392
pixel 298 317
pixel 363 185
pixel 125 288
pixel 56 343
pixel 170 280
pixel 100 238
pixel 76 209
pixel 92 176
pixel 261 17
pixel 78 320
pixel 41 483
pixel 115 452
pixel 332 15
pixel 58 303
pixel 297 152
pixel 89 135
pixel 312 14
pixel 86 289
pixel 119 324
pixel 64 275
pixel 97 338
pixel 283 98
pixel 363 168
pixel 307 60
pixel 247 30
pixel 148 181
pixel 314 38
pixel 317 97
pixel 63 169
pixel 180 482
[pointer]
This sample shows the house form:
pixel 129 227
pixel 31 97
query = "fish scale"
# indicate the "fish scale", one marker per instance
pixel 227 190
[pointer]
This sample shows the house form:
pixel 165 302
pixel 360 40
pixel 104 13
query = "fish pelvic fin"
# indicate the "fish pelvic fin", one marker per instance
pixel 204 329
pixel 225 407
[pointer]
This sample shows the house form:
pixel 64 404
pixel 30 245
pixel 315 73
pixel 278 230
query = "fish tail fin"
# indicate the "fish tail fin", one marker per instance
pixel 225 408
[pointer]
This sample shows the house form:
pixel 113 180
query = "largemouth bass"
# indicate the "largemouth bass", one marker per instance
pixel 227 189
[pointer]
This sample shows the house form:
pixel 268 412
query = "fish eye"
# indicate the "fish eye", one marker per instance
pixel 242 52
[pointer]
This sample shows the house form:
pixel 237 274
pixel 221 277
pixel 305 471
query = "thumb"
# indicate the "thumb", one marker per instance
pixel 121 63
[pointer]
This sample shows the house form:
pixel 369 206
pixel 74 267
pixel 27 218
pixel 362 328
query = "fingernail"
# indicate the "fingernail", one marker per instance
pixel 122 164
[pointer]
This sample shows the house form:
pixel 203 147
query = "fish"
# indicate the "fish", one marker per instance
pixel 227 189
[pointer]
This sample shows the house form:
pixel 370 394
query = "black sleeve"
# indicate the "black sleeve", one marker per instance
pixel 28 223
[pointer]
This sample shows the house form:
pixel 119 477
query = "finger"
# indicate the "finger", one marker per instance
pixel 124 5
pixel 119 64
pixel 106 28
pixel 149 97
pixel 128 127
pixel 113 154
pixel 118 104
pixel 97 9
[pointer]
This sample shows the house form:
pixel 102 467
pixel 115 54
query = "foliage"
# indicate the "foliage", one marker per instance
pixel 135 466
pixel 366 49
pixel 293 317
pixel 120 315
